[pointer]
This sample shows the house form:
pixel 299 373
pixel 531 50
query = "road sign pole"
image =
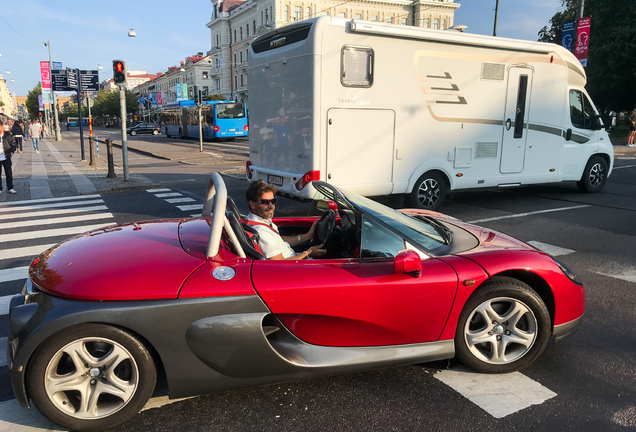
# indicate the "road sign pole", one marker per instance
pixel 79 112
pixel 124 138
pixel 200 128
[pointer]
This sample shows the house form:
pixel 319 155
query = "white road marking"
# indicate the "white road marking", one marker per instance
pixel 529 213
pixel 57 212
pixel 190 207
pixel 179 200
pixel 29 251
pixel 168 195
pixel 50 233
pixel 625 166
pixel 158 190
pixel 550 249
pixel 49 200
pixel 498 395
pixel 15 273
pixel 626 275
pixel 59 220
pixel 54 205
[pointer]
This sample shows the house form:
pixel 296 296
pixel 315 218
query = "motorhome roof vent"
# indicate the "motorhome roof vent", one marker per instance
pixel 492 71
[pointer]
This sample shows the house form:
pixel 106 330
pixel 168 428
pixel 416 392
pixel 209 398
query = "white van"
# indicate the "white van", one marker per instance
pixel 385 109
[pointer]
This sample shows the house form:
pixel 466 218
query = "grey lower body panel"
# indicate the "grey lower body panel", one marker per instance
pixel 564 330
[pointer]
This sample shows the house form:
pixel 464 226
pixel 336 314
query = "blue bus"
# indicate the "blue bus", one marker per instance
pixel 220 119
pixel 74 121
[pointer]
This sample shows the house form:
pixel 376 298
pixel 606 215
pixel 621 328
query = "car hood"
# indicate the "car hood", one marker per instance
pixel 123 262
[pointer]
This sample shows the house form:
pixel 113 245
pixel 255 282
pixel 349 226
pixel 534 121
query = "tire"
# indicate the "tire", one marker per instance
pixel 488 341
pixel 180 133
pixel 133 133
pixel 115 368
pixel 155 132
pixel 594 176
pixel 429 191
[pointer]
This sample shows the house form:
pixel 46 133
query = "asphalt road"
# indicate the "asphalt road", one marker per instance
pixel 585 382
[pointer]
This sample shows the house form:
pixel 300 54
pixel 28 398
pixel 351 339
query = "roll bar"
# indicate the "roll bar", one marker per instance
pixel 214 206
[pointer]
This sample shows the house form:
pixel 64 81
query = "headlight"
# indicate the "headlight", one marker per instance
pixel 569 273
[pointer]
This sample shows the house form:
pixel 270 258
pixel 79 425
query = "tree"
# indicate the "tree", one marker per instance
pixel 611 71
pixel 32 104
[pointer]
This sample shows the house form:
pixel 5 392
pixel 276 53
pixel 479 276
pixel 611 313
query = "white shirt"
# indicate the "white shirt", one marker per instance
pixel 2 155
pixel 270 241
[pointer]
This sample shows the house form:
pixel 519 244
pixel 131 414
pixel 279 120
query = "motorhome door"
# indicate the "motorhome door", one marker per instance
pixel 515 131
pixel 360 149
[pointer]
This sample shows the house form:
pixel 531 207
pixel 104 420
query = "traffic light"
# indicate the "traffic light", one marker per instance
pixel 119 72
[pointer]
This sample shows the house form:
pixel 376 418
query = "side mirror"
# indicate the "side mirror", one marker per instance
pixel 323 205
pixel 568 134
pixel 408 262
pixel 598 122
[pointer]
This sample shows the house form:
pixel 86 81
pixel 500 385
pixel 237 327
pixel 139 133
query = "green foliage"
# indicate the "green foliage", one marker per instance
pixel 553 33
pixel 32 105
pixel 213 97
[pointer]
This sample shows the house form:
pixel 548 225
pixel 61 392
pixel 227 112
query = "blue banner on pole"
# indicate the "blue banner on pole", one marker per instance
pixel 567 35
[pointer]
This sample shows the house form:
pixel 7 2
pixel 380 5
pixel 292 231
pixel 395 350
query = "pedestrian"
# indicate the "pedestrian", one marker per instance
pixel 26 130
pixel 631 138
pixel 35 130
pixel 18 132
pixel 7 148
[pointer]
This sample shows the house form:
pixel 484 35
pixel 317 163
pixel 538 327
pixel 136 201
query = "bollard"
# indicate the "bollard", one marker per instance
pixel 92 162
pixel 111 164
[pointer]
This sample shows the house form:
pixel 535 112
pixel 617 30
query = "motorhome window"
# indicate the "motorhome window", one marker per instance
pixel 520 112
pixel 357 66
pixel 581 110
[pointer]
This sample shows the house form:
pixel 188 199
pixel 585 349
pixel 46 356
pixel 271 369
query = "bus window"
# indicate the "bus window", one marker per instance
pixel 230 111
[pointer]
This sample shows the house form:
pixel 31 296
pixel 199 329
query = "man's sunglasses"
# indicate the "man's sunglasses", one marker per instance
pixel 272 201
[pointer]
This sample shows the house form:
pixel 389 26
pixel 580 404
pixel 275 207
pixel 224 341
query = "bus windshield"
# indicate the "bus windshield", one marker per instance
pixel 230 111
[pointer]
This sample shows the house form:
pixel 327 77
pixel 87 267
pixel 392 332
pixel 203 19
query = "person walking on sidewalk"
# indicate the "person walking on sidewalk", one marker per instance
pixel 7 147
pixel 35 130
pixel 17 132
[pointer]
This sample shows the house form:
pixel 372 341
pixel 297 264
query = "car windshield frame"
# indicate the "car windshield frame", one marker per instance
pixel 421 232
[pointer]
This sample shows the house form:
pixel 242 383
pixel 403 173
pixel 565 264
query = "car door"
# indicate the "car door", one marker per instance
pixel 358 302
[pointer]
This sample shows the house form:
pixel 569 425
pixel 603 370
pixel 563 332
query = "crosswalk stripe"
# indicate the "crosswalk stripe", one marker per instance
pixel 50 233
pixel 52 221
pixel 179 200
pixel 489 391
pixel 29 251
pixel 43 206
pixel 168 195
pixel 57 212
pixel 48 200
pixel 158 190
pixel 15 273
pixel 190 207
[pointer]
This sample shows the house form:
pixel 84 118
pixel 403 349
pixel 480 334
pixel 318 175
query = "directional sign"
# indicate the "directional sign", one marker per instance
pixel 90 80
pixel 56 65
pixel 72 78
pixel 60 80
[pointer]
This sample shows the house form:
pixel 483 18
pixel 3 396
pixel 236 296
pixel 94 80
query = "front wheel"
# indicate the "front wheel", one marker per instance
pixel 91 377
pixel 133 133
pixel 594 176
pixel 429 191
pixel 503 327
pixel 155 132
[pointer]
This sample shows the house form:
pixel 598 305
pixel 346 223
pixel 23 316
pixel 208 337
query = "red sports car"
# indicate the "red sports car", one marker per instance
pixel 103 314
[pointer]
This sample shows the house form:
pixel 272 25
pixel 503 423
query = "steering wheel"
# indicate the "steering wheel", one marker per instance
pixel 326 223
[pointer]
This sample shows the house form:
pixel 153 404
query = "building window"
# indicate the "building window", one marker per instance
pixel 241 33
pixel 342 14
pixel 235 39
pixel 389 20
pixel 247 29
pixel 262 19
pixel 358 16
pixel 241 56
pixel 444 25
pixel 205 75
pixel 267 15
pixel 286 17
pixel 234 59
pixel 242 83
pixel 436 23
pixel 254 26
pixel 298 13
pixel 205 90
pixel 308 13
pixel 235 81
pixel 374 17
pixel 324 13
pixel 403 21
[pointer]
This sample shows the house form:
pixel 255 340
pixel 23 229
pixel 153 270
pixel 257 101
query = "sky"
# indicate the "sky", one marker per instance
pixel 84 36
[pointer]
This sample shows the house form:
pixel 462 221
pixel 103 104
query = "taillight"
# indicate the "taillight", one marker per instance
pixel 248 171
pixel 307 178
pixel 245 128
pixel 217 129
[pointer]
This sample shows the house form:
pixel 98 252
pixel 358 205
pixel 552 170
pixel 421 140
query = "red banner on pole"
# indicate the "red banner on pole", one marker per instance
pixel 582 39
pixel 45 74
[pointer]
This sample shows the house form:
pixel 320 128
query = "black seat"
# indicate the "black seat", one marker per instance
pixel 247 235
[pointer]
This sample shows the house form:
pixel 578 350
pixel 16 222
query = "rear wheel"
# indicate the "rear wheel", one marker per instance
pixel 594 176
pixel 91 377
pixel 133 133
pixel 180 133
pixel 429 191
pixel 503 327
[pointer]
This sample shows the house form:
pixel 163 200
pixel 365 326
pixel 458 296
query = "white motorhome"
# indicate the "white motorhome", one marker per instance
pixel 388 109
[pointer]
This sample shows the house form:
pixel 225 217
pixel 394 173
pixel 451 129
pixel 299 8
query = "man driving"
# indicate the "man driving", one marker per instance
pixel 261 200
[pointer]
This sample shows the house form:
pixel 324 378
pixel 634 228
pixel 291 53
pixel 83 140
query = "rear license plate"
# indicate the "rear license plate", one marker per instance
pixel 232 130
pixel 275 180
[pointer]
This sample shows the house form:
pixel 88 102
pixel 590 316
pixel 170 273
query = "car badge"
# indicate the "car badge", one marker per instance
pixel 223 273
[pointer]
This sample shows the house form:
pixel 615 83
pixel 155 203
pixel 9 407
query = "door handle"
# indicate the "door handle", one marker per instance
pixel 508 124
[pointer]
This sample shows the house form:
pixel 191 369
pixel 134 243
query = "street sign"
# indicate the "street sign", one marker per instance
pixel 88 102
pixel 60 80
pixel 56 65
pixel 72 78
pixel 90 80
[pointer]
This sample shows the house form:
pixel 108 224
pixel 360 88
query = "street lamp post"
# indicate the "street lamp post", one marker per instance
pixel 58 134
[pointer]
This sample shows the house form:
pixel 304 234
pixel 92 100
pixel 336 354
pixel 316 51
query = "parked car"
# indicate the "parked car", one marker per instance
pixel 194 300
pixel 140 128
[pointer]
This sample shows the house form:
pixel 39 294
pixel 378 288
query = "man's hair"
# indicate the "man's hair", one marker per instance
pixel 256 190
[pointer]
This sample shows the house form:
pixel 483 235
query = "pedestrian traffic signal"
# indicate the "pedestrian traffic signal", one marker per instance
pixel 119 72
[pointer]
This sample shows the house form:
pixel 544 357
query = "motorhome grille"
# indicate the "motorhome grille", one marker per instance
pixel 280 39
pixel 492 71
pixel 486 150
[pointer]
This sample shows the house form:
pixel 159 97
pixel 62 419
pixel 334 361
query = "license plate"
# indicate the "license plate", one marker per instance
pixel 232 130
pixel 275 180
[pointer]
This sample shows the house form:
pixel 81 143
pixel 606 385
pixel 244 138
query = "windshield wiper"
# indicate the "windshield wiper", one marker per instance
pixel 441 229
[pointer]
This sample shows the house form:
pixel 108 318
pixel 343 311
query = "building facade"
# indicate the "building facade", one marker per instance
pixel 8 105
pixel 235 23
